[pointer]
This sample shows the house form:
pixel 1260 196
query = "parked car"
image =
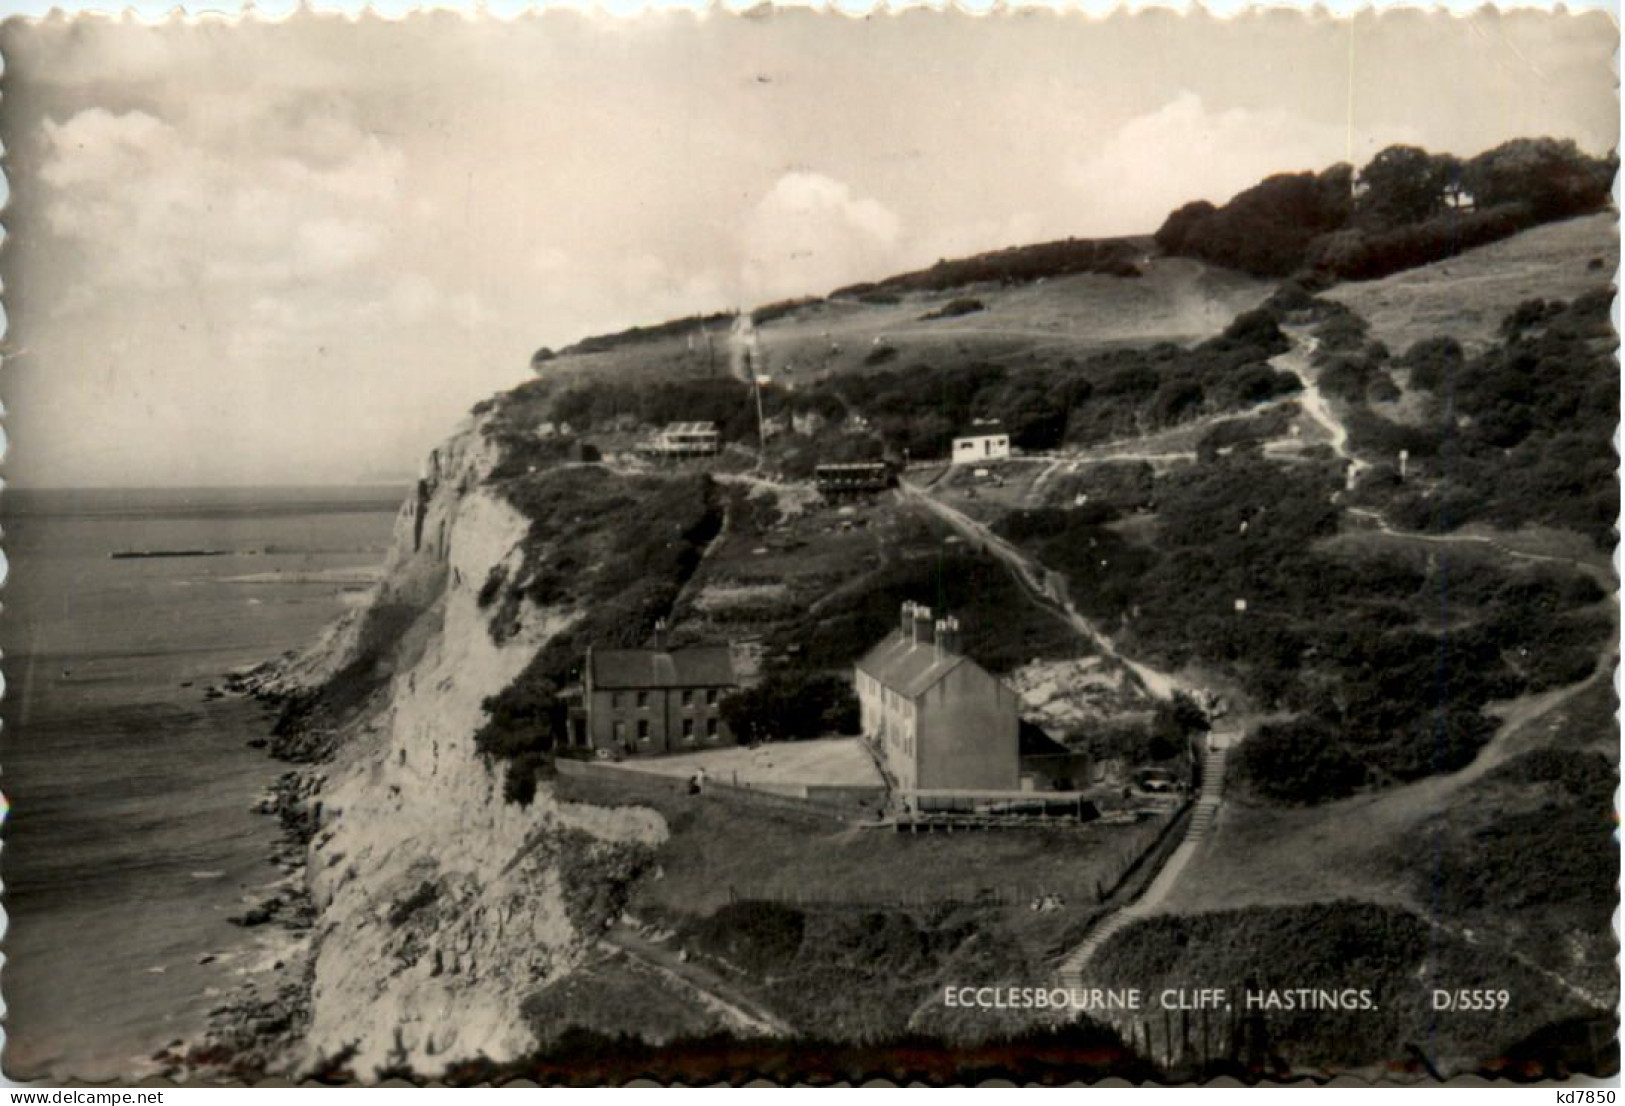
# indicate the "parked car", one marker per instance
pixel 1156 781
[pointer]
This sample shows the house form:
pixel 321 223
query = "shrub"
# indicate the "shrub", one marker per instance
pixel 761 938
pixel 620 546
pixel 792 706
pixel 1016 265
pixel 1265 230
pixel 424 895
pixel 1302 761
pixel 953 309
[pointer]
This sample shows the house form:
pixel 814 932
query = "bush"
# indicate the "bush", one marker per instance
pixel 1302 761
pixel 620 546
pixel 953 309
pixel 1522 433
pixel 1017 265
pixel 1367 255
pixel 759 938
pixel 792 706
pixel 425 895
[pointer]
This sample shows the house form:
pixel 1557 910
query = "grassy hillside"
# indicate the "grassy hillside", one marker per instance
pixel 1518 849
pixel 851 933
pixel 1394 954
pixel 1068 315
pixel 1466 297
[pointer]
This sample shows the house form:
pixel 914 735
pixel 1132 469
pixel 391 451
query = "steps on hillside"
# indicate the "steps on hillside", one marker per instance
pixel 1203 814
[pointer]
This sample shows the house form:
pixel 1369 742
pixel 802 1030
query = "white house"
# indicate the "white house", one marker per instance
pixel 685 439
pixel 975 449
pixel 939 720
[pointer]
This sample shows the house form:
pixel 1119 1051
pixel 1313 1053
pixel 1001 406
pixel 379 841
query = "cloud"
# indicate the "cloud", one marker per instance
pixel 809 233
pixel 1152 164
pixel 164 207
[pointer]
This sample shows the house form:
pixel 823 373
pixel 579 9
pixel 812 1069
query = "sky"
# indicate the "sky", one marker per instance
pixel 298 251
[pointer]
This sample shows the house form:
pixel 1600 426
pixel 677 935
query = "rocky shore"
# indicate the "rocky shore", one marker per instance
pixel 254 1032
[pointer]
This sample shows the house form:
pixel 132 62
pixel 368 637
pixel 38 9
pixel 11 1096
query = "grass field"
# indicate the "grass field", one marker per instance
pixel 1466 297
pixel 614 995
pixel 835 761
pixel 851 933
pixel 1175 300
pixel 722 848
pixel 1439 847
pixel 821 584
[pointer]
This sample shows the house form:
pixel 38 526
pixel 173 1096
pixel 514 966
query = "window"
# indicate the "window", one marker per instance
pixel 688 729
pixel 710 696
pixel 688 697
pixel 711 729
pixel 643 700
pixel 615 700
pixel 643 729
pixel 620 733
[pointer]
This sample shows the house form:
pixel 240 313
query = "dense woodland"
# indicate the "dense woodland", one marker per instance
pixel 1407 207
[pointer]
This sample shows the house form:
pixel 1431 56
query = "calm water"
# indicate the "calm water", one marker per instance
pixel 131 836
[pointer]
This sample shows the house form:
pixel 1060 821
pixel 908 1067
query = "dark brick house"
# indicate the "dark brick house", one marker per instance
pixel 643 702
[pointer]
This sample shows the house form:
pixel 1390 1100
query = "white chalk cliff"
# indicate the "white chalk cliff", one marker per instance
pixel 440 905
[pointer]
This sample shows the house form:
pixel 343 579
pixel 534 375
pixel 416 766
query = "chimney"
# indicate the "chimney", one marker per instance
pixel 939 633
pixel 660 635
pixel 908 618
pixel 948 637
pixel 922 626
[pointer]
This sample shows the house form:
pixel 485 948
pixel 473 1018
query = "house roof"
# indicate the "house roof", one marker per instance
pixel 1032 741
pixel 690 428
pixel 697 666
pixel 906 668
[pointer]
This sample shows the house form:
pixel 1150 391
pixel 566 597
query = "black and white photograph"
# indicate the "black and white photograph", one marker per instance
pixel 723 546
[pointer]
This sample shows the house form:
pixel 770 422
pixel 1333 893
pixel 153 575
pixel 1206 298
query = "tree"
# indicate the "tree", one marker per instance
pixel 1553 178
pixel 1405 184
pixel 792 706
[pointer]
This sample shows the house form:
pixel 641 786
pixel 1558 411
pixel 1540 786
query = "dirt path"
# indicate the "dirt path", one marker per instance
pixel 1044 586
pixel 1299 361
pixel 1495 541
pixel 1142 447
pixel 700 983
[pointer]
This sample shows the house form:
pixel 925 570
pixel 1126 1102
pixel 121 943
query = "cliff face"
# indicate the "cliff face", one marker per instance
pixel 440 906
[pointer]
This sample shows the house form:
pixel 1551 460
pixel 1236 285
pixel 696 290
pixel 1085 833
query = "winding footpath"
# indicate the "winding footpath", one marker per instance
pixel 1045 586
pixel 1299 361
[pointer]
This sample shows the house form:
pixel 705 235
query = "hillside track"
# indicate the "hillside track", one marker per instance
pixel 1073 969
pixel 703 986
pixel 1299 361
pixel 1045 587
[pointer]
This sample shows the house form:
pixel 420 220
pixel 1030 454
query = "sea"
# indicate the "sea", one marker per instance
pixel 131 836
